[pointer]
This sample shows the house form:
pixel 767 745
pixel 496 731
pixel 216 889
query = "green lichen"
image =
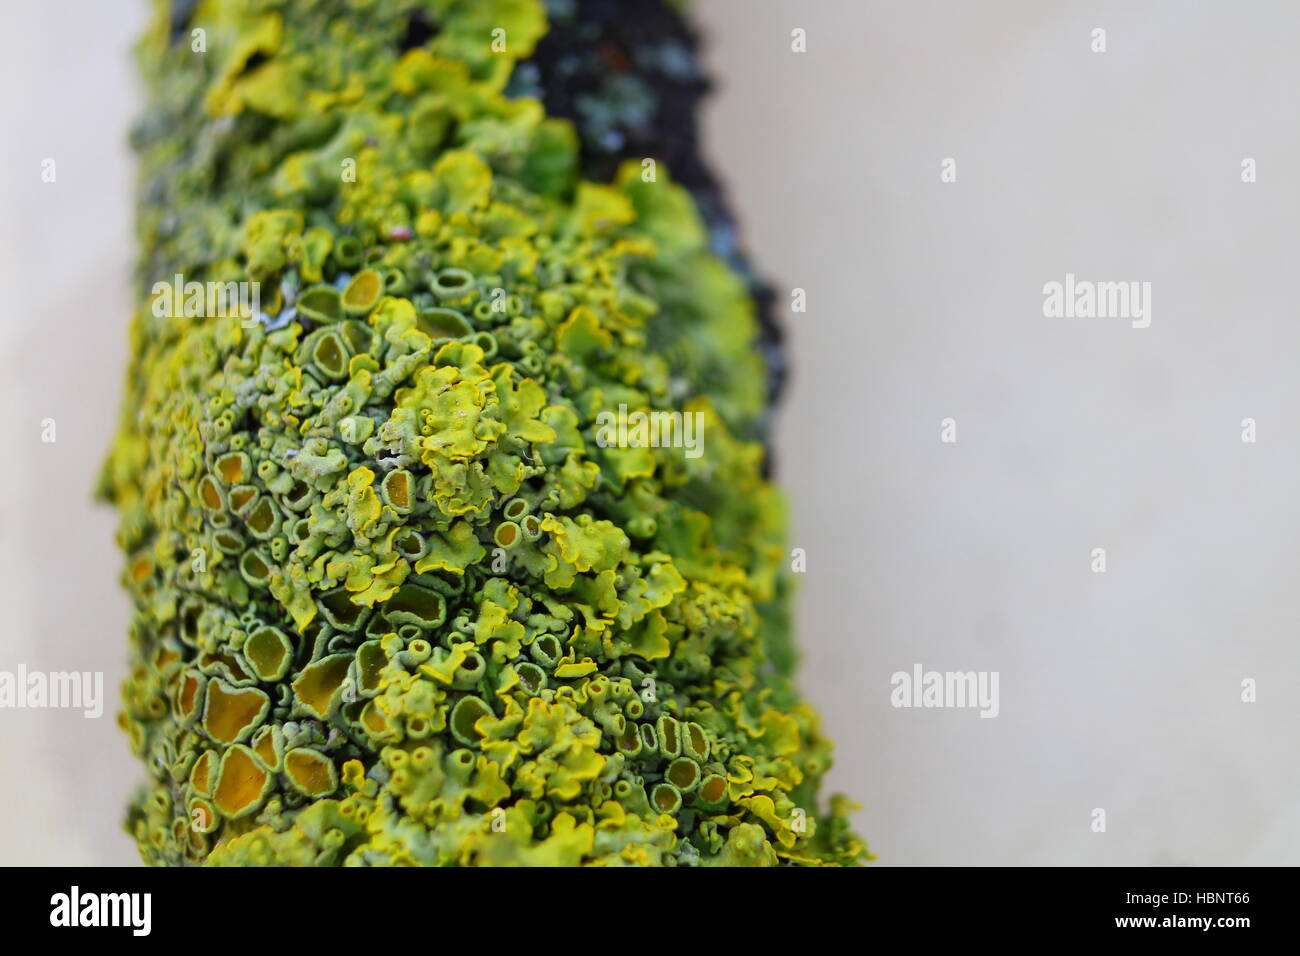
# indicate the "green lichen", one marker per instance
pixel 394 603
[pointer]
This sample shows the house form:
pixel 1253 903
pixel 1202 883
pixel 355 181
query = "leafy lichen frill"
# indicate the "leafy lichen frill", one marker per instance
pixel 393 603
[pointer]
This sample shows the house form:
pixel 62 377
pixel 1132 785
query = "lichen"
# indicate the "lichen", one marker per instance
pixel 393 602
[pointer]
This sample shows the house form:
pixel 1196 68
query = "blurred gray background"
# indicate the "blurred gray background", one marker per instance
pixel 1119 691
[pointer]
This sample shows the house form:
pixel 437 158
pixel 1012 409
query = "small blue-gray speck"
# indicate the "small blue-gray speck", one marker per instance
pixel 277 322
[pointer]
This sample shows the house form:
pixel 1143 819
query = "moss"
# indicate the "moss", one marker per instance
pixel 394 602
